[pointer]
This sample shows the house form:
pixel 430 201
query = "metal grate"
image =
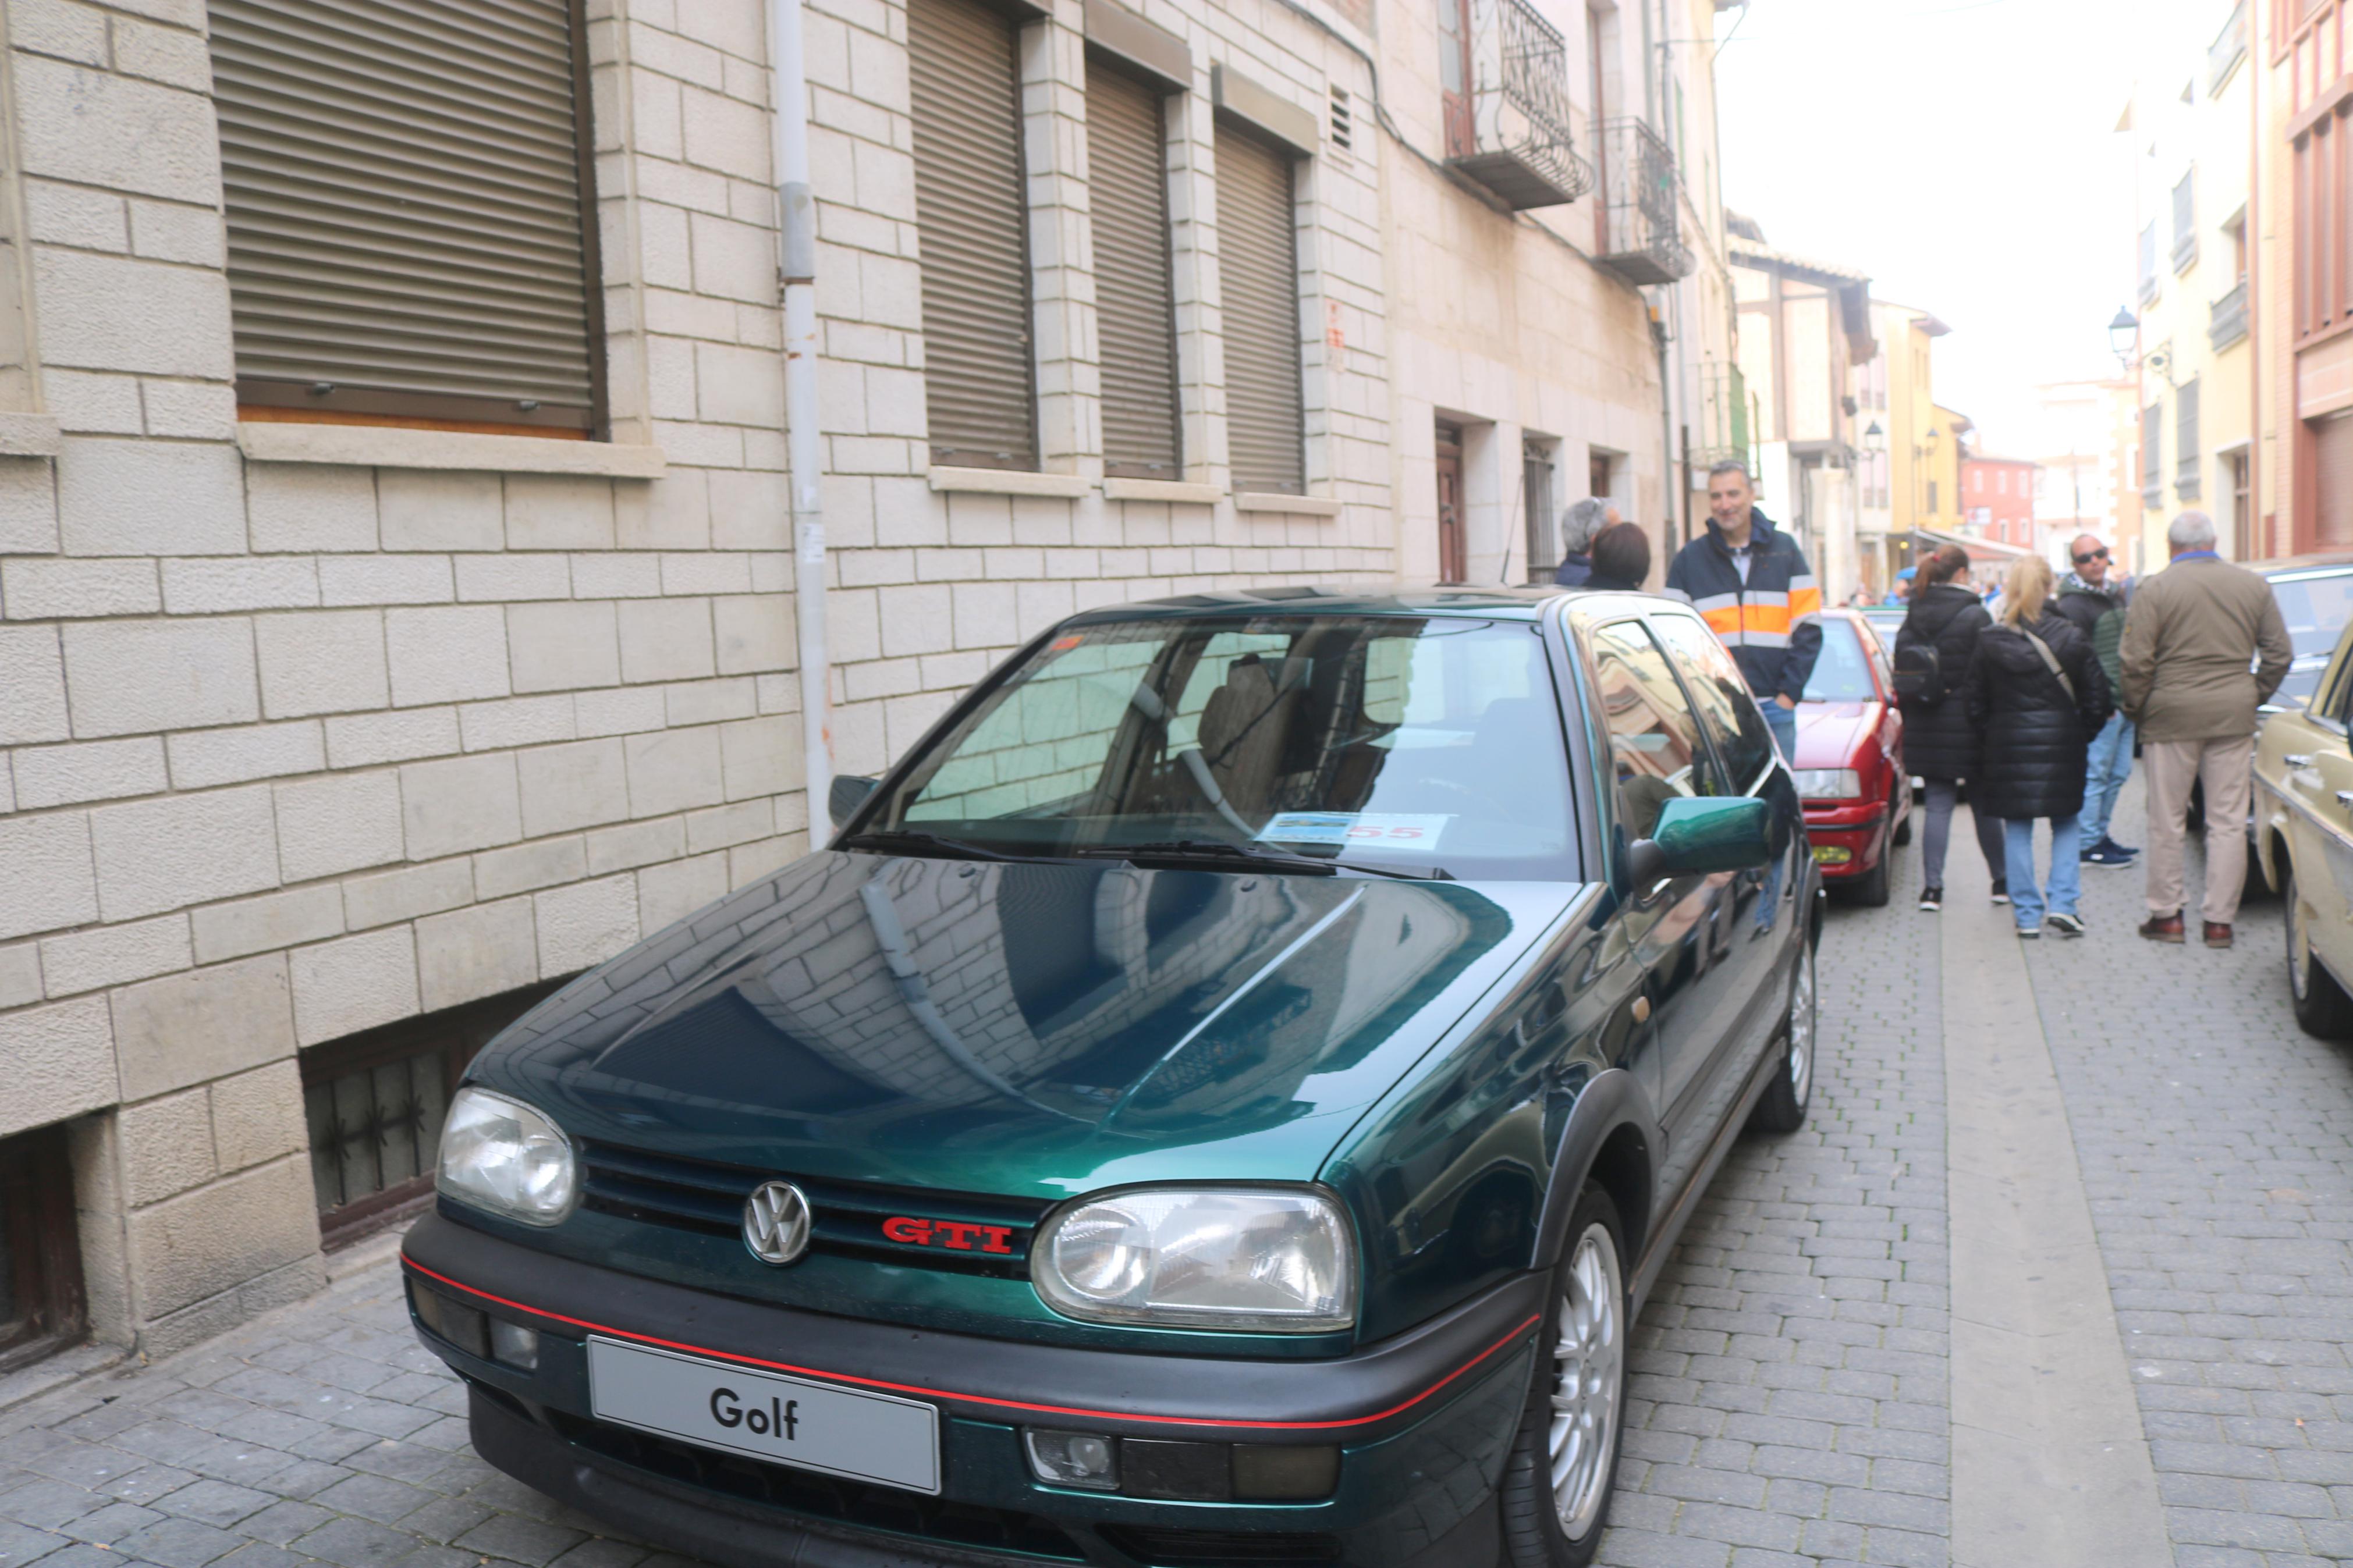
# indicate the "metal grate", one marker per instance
pixel 1644 193
pixel 377 1128
pixel 848 1217
pixel 1518 142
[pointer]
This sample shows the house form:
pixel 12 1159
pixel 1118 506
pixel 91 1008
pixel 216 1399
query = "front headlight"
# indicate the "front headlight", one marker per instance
pixel 502 1156
pixel 1829 783
pixel 1216 1257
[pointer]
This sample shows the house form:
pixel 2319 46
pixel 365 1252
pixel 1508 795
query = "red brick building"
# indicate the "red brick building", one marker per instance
pixel 1998 499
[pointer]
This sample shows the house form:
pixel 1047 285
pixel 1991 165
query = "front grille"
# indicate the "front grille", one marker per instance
pixel 855 1504
pixel 1222 1548
pixel 847 1216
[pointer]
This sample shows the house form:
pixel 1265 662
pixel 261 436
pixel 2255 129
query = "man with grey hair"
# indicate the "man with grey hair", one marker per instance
pixel 1580 525
pixel 2204 647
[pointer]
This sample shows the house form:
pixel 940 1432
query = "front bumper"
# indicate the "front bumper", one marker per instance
pixel 1422 1423
pixel 1852 832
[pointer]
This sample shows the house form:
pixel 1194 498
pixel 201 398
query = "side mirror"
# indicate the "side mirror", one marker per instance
pixel 848 792
pixel 1696 835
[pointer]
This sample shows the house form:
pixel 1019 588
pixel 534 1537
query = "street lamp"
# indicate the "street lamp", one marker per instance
pixel 2124 332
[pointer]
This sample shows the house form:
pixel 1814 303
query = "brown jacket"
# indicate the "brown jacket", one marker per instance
pixel 2191 641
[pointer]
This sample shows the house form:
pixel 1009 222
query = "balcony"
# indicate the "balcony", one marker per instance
pixel 2229 324
pixel 1519 146
pixel 1643 194
pixel 2229 47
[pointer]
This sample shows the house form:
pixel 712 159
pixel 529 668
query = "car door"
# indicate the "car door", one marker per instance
pixel 2302 755
pixel 1683 932
pixel 1733 726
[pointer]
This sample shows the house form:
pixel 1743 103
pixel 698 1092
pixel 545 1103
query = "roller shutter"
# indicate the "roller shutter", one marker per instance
pixel 979 387
pixel 2332 476
pixel 1134 300
pixel 407 231
pixel 1258 269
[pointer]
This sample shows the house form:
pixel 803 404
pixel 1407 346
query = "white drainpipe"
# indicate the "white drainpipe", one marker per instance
pixel 797 223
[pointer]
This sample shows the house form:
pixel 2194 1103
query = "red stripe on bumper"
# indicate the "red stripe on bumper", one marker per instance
pixel 953 1397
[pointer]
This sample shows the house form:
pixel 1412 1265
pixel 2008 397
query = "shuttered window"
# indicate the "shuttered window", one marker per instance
pixel 1258 269
pixel 2152 453
pixel 1135 319
pixel 408 229
pixel 978 367
pixel 2185 441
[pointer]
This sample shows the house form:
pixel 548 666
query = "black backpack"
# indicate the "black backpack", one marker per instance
pixel 1919 671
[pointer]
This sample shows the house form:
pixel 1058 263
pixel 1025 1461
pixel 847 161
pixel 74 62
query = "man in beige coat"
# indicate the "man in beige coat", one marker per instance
pixel 2193 683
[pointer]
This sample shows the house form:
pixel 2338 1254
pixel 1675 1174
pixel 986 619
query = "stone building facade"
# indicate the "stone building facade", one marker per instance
pixel 332 734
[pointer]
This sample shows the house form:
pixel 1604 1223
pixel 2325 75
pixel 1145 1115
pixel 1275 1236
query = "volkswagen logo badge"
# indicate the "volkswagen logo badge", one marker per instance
pixel 777 1223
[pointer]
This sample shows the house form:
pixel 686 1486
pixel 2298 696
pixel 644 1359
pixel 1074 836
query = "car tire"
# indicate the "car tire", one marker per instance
pixel 1782 1107
pixel 1562 1469
pixel 2322 1008
pixel 1870 890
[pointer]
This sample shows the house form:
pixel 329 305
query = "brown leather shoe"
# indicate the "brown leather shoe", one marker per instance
pixel 2162 928
pixel 2218 933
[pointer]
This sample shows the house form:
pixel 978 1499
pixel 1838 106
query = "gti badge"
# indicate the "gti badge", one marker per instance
pixel 776 1222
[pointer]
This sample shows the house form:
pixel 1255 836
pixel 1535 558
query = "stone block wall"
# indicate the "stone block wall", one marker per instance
pixel 307 732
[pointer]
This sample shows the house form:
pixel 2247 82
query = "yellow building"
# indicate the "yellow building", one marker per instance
pixel 1897 413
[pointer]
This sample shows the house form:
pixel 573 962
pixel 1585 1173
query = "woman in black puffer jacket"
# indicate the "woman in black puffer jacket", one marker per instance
pixel 1941 742
pixel 2038 722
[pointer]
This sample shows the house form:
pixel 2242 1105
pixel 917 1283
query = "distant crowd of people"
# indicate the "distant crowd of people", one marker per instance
pixel 2040 701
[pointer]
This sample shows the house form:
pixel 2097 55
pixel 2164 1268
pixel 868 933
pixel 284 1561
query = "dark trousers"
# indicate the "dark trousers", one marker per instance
pixel 1943 794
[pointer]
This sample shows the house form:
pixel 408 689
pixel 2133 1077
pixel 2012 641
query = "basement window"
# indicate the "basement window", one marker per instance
pixel 374 1102
pixel 41 1302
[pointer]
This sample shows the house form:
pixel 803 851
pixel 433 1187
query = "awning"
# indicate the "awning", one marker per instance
pixel 1980 550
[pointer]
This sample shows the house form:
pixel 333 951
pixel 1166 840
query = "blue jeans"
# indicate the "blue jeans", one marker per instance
pixel 1783 723
pixel 2067 874
pixel 2103 776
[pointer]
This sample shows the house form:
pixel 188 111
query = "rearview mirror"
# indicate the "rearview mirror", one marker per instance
pixel 848 792
pixel 1696 835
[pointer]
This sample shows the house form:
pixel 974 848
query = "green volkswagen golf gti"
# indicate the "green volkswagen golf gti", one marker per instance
pixel 1221 1099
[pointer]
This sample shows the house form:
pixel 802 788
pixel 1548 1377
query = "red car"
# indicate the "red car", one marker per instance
pixel 1850 764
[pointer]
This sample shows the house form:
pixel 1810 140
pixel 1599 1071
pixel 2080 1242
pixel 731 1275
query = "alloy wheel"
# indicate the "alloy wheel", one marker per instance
pixel 1590 1376
pixel 1801 1026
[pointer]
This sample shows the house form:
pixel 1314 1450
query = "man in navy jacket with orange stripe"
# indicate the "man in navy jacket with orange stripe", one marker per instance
pixel 1751 584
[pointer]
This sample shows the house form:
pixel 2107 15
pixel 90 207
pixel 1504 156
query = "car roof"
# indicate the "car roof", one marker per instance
pixel 1372 599
pixel 2318 564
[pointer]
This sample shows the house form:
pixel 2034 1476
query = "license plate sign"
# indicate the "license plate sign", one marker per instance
pixel 766 1415
pixel 1832 854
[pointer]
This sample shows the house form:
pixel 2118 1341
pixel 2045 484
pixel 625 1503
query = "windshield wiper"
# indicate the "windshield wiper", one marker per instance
pixel 936 843
pixel 1253 853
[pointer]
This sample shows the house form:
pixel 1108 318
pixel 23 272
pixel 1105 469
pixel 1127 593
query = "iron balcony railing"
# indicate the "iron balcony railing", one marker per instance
pixel 1522 149
pixel 2229 324
pixel 1643 194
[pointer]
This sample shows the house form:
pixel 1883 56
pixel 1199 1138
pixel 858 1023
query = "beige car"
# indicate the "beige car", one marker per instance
pixel 2303 839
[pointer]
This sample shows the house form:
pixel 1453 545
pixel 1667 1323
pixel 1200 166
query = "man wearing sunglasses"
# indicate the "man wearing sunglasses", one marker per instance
pixel 2094 599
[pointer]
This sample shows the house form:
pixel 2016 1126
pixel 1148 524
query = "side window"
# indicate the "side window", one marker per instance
pixel 1655 751
pixel 1722 696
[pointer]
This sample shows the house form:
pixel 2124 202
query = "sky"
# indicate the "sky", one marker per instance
pixel 1964 153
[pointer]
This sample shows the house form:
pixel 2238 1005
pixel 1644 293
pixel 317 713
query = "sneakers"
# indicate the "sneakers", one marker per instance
pixel 2000 891
pixel 2163 928
pixel 1932 900
pixel 2029 933
pixel 2109 856
pixel 2065 925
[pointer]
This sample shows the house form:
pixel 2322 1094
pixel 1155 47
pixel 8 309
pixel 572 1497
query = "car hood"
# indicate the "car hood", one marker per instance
pixel 1023 1028
pixel 1829 734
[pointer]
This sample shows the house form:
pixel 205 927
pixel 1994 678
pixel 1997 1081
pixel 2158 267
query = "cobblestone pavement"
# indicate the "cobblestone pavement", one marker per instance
pixel 1790 1404
pixel 2216 1140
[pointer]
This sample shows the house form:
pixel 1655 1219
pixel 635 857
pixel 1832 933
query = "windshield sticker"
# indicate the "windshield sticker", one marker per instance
pixel 1357 828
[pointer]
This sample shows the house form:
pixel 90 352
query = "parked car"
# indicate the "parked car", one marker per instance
pixel 1885 619
pixel 1850 768
pixel 1223 1097
pixel 2304 840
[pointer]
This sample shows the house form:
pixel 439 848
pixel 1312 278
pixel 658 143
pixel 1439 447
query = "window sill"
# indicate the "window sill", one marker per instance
pixel 28 436
pixel 1163 491
pixel 1269 501
pixel 1011 482
pixel 396 447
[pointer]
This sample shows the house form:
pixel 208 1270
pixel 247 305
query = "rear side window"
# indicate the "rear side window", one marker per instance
pixel 1655 751
pixel 1724 704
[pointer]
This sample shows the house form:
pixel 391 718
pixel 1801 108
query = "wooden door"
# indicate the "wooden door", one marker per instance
pixel 1453 552
pixel 1454 82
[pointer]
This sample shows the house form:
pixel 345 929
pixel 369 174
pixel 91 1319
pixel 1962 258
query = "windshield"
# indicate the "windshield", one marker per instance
pixel 1842 674
pixel 2316 607
pixel 1409 742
